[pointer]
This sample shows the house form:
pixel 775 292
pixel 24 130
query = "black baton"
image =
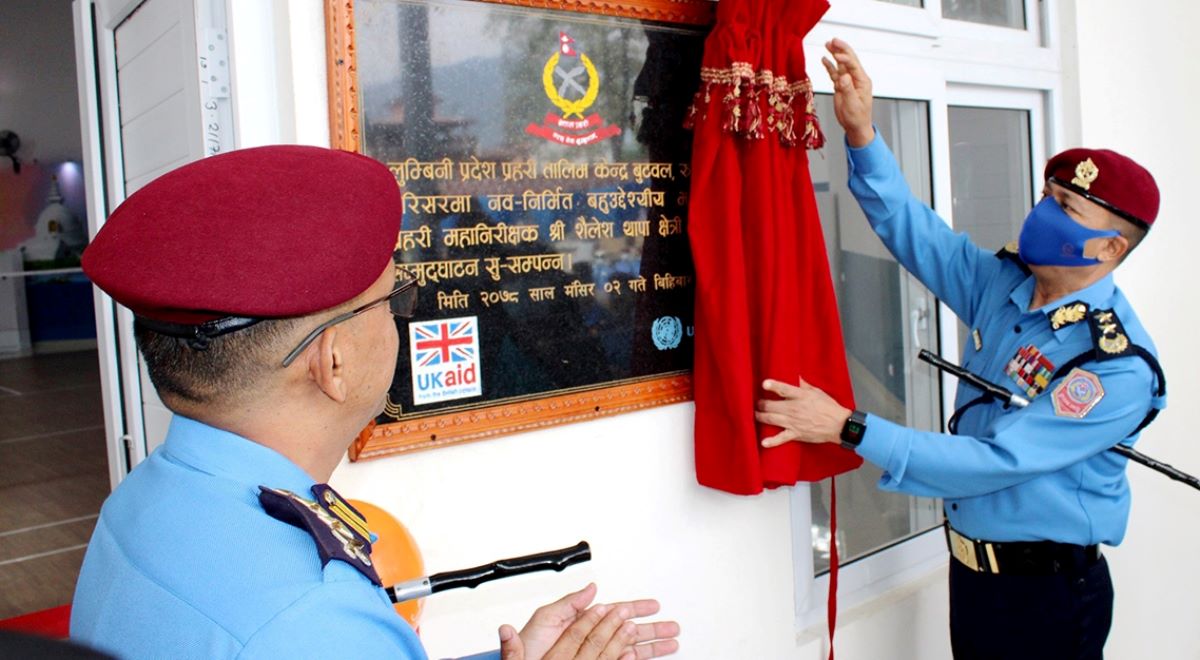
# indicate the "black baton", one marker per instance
pixel 554 560
pixel 1174 473
pixel 1006 396
pixel 1000 393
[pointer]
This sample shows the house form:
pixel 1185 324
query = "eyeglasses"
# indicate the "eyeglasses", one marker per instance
pixel 401 301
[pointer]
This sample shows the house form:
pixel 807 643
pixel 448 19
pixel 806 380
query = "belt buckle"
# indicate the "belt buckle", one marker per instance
pixel 963 550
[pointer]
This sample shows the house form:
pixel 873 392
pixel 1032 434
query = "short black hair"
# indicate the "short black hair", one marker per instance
pixel 229 365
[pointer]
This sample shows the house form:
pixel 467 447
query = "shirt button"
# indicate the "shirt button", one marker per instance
pixel 954 506
pixel 1017 329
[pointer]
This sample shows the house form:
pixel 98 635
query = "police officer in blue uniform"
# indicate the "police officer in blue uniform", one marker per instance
pixel 1030 493
pixel 263 289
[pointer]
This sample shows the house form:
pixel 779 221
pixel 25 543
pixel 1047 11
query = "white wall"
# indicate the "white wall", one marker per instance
pixel 721 564
pixel 1137 80
pixel 37 79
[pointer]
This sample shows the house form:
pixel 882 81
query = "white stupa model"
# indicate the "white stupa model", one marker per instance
pixel 58 232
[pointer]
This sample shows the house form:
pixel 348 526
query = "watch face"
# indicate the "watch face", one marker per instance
pixel 852 432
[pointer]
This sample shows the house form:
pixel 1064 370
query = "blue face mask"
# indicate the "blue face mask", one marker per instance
pixel 1050 237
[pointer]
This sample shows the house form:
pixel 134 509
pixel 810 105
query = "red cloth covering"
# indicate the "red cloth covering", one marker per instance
pixel 765 305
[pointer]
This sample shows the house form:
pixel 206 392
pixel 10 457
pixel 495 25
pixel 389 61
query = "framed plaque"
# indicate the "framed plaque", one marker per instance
pixel 544 165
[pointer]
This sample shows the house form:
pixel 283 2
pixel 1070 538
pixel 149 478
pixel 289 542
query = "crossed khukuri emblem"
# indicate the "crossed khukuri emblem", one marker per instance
pixel 569 81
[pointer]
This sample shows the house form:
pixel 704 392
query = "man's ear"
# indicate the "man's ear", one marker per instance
pixel 325 365
pixel 1113 248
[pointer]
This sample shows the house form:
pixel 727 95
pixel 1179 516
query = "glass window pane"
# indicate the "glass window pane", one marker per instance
pixel 907 3
pixel 989 176
pixel 886 317
pixel 1005 13
pixel 990 173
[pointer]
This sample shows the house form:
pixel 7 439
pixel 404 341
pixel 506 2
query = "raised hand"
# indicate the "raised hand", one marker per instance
pixel 852 92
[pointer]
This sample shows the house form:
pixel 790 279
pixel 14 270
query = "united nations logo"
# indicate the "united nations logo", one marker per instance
pixel 572 83
pixel 666 332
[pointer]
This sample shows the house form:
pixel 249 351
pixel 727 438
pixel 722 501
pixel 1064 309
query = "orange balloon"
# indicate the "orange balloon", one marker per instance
pixel 395 555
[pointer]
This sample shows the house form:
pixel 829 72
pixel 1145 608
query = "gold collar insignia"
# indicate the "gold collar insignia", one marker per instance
pixel 1068 314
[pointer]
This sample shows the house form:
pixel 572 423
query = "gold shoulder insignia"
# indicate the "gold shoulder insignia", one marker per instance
pixel 1115 344
pixel 1012 252
pixel 340 532
pixel 1068 314
pixel 1108 334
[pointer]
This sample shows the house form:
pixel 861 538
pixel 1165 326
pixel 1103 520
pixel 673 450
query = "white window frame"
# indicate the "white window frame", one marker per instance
pixel 1036 103
pixel 1031 36
pixel 927 21
pixel 913 54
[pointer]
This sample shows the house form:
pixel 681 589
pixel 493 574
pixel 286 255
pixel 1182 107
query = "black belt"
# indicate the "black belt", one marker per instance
pixel 1020 557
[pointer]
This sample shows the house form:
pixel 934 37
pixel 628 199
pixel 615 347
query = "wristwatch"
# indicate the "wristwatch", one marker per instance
pixel 854 429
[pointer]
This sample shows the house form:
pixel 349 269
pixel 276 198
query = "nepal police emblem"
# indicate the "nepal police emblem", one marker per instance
pixel 666 332
pixel 572 83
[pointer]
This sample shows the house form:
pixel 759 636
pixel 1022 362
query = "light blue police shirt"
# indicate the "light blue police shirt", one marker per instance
pixel 1018 474
pixel 185 563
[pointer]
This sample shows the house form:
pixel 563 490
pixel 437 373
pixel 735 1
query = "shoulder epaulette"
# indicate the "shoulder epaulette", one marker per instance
pixel 1009 253
pixel 1109 341
pixel 339 530
pixel 1108 335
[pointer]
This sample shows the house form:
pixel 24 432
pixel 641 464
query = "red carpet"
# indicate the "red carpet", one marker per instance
pixel 54 622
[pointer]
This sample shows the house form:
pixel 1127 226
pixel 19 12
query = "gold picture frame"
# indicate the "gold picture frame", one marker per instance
pixel 443 428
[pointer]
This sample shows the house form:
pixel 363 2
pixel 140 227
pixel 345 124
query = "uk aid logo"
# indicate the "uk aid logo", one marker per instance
pixel 445 360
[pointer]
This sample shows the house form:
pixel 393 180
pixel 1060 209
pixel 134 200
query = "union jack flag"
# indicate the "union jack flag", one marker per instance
pixel 443 342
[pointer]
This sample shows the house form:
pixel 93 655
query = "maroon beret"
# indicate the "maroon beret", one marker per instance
pixel 265 232
pixel 1111 180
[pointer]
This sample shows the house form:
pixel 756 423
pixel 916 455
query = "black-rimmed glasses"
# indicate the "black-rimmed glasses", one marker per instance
pixel 401 300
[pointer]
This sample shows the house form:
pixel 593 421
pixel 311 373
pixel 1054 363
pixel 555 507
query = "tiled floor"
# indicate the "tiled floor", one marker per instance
pixel 53 476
